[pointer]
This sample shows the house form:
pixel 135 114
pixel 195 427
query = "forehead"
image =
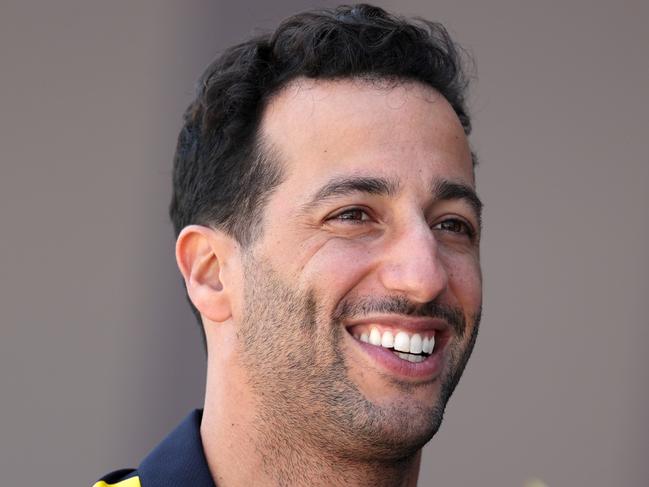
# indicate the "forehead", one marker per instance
pixel 404 131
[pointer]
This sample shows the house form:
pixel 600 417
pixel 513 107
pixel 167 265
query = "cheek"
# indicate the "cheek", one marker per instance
pixel 465 281
pixel 336 267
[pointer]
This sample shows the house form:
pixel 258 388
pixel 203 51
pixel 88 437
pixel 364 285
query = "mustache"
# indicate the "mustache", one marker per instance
pixel 402 306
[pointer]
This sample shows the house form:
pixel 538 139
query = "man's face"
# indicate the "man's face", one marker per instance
pixel 369 244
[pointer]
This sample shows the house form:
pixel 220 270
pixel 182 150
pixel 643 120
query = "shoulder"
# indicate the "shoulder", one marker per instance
pixel 120 478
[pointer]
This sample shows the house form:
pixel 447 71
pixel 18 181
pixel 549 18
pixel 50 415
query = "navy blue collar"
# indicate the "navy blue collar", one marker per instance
pixel 179 460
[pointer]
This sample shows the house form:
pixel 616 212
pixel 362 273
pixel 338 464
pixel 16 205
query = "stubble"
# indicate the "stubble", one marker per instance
pixel 310 414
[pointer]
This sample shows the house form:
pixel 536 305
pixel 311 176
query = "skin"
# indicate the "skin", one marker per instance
pixel 291 397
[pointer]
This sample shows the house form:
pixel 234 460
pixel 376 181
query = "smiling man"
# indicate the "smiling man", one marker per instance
pixel 328 235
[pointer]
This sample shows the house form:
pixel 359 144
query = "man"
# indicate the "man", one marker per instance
pixel 328 235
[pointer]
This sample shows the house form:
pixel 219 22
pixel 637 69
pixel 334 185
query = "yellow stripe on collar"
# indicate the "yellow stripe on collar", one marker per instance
pixel 132 482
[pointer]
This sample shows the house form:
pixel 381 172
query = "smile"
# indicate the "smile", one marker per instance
pixel 407 348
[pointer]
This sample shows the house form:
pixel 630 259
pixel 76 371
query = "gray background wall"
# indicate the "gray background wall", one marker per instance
pixel 99 355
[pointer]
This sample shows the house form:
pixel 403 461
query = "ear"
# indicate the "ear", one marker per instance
pixel 203 255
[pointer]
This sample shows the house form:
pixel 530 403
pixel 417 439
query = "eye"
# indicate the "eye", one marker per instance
pixel 351 215
pixel 455 225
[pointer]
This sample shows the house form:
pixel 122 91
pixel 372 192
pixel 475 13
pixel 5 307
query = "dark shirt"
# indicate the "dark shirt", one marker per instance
pixel 177 461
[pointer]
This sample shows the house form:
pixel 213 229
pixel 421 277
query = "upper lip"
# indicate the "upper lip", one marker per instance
pixel 406 323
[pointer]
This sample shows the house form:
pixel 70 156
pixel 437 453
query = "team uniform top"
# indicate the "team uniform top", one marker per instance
pixel 177 461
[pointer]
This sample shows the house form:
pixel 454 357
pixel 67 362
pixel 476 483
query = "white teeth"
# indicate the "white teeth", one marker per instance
pixel 402 342
pixel 431 345
pixel 410 358
pixel 415 343
pixel 387 340
pixel 375 337
pixel 428 345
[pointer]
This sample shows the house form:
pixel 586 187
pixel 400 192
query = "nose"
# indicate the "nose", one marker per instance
pixel 412 265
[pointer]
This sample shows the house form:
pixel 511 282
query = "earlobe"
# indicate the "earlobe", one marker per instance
pixel 202 254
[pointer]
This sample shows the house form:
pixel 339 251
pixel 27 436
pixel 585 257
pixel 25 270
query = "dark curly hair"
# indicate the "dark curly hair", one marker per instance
pixel 223 172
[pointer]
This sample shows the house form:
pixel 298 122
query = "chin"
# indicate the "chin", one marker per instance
pixel 398 431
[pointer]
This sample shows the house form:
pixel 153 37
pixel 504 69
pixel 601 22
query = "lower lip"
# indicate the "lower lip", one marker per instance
pixel 426 370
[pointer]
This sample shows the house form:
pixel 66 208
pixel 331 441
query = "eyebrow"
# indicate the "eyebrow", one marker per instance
pixel 442 190
pixel 345 186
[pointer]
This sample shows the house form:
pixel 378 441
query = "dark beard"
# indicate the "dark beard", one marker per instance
pixel 309 410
